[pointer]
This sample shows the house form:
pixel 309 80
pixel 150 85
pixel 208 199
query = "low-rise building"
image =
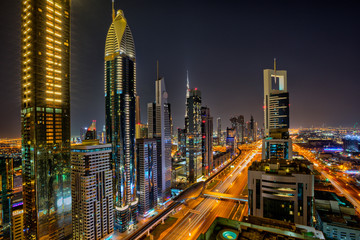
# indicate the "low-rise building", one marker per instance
pixel 258 228
pixel 282 190
pixel 336 216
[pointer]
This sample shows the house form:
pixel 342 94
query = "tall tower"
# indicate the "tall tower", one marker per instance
pixel 120 92
pixel 193 136
pixel 277 143
pixel 159 120
pixel 276 103
pixel 45 118
pixel 207 141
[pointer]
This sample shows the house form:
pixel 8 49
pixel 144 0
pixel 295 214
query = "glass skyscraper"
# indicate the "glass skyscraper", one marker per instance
pixel 120 103
pixel 45 118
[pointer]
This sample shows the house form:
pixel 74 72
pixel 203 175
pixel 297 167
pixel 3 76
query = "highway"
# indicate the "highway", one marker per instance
pixel 341 184
pixel 200 218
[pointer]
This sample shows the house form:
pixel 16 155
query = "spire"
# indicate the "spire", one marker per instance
pixel 157 69
pixel 275 69
pixel 187 84
pixel 113 9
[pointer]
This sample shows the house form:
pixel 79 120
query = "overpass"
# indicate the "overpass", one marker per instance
pixel 240 198
pixel 192 192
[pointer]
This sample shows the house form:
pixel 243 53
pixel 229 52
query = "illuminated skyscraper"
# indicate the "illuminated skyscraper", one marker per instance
pixel 147 177
pixel 207 141
pixel 193 136
pixel 120 98
pixel 159 121
pixel 45 118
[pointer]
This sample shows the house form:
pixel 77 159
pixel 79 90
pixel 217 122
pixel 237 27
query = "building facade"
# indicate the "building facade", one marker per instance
pixel 281 190
pixel 276 111
pixel 92 190
pixel 45 118
pixel 147 187
pixel 159 127
pixel 207 141
pixel 120 98
pixel 193 136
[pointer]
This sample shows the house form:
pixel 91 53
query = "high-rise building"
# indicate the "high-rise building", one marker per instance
pixel 120 102
pixel 276 103
pixel 91 132
pixel 159 127
pixel 45 118
pixel 241 128
pixel 147 188
pixel 6 187
pixel 207 141
pixel 218 127
pixel 276 112
pixel 279 187
pixel 92 190
pixel 193 136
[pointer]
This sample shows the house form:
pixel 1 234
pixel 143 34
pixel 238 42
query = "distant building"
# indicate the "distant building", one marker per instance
pixel 282 190
pixel 193 136
pixel 218 127
pixel 230 137
pixel 252 228
pixel 147 187
pixel 207 141
pixel 6 188
pixel 91 132
pixel 182 143
pixel 351 144
pixel 92 190
pixel 159 127
pixel 336 216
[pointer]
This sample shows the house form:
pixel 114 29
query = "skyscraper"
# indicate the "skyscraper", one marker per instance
pixel 276 103
pixel 279 187
pixel 159 126
pixel 276 115
pixel 91 132
pixel 207 141
pixel 120 92
pixel 147 188
pixel 92 190
pixel 45 118
pixel 193 136
pixel 219 128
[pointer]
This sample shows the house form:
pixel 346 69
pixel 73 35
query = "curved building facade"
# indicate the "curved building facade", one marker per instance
pixel 120 98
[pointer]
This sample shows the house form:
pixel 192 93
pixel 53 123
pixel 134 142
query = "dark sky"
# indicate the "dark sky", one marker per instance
pixel 224 45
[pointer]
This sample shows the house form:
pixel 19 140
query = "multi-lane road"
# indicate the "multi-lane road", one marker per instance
pixel 199 219
pixel 343 185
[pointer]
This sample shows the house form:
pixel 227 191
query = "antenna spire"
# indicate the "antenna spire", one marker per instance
pixel 187 80
pixel 113 10
pixel 275 69
pixel 157 69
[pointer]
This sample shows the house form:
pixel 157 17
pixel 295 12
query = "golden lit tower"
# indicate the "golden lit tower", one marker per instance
pixel 120 108
pixel 45 116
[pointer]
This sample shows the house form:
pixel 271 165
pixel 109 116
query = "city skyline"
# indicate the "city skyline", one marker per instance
pixel 310 48
pixel 169 174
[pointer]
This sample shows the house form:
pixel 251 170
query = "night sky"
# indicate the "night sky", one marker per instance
pixel 225 45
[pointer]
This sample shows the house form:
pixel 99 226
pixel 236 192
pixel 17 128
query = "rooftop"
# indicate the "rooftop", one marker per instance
pixel 258 228
pixel 282 166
